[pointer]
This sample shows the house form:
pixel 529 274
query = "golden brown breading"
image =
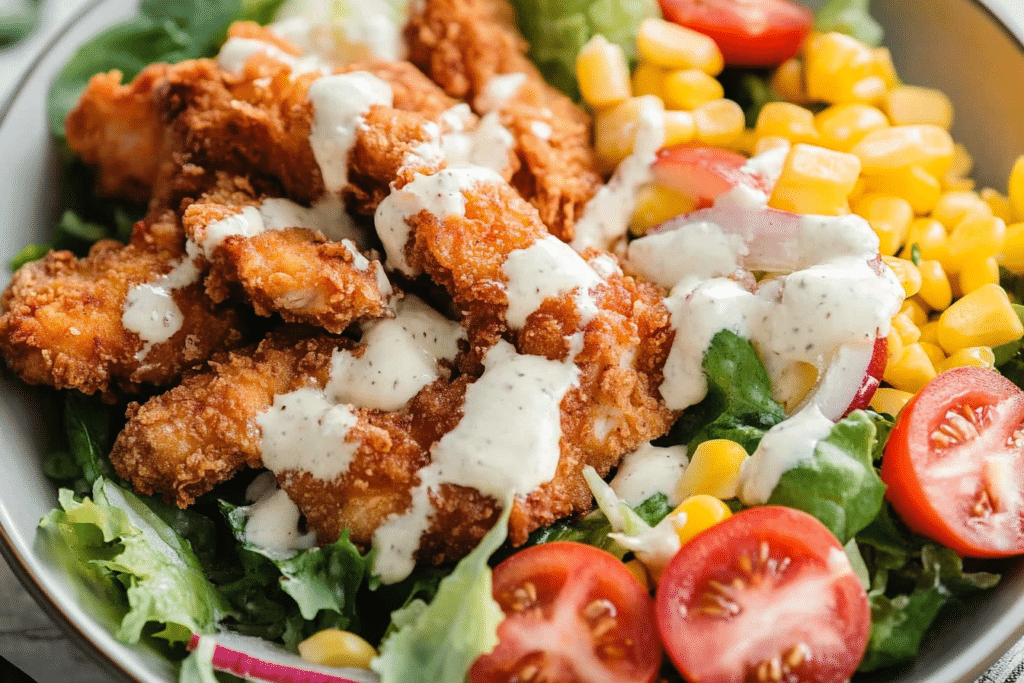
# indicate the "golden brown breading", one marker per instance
pixel 182 443
pixel 462 45
pixel 61 321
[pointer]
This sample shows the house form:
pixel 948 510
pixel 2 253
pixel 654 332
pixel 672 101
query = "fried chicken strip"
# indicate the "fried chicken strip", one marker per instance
pixel 468 47
pixel 67 322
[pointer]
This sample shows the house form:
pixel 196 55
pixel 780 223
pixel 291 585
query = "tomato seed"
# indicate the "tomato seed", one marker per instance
pixel 797 655
pixel 524 597
pixel 596 609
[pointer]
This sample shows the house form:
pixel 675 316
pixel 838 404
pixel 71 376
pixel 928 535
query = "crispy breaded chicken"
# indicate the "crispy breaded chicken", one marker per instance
pixel 62 317
pixel 464 45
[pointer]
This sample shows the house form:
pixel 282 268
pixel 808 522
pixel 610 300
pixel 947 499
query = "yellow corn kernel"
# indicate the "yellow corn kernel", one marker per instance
pixel 930 333
pixel 930 237
pixel 893 349
pixel 770 142
pixel 702 512
pixel 679 127
pixel 958 169
pixel 884 68
pixel 639 572
pixel 977 356
pixel 954 206
pixel 889 400
pixel 615 128
pixel 956 184
pixel 714 470
pixel 689 88
pixel 788 81
pixel 907 273
pixel 935 288
pixel 934 352
pixel 910 104
pixel 900 147
pixel 790 121
pixel 973 240
pixel 1016 189
pixel 906 329
pixel 719 122
pixel 602 72
pixel 669 45
pixel 914 184
pixel 655 205
pixel 911 371
pixel 998 202
pixel 843 125
pixel 648 79
pixel 835 65
pixel 916 310
pixel 815 180
pixel 1013 248
pixel 978 272
pixel 793 383
pixel 982 318
pixel 334 647
pixel 890 218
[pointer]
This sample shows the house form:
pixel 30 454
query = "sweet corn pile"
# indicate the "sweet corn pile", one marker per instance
pixel 859 141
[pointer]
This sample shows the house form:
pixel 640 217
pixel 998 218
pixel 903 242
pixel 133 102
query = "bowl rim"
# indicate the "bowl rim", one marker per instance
pixel 14 551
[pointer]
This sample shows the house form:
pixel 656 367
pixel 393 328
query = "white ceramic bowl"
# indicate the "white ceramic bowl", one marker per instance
pixel 967 48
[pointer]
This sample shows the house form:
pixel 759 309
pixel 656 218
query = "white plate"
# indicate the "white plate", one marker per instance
pixel 956 45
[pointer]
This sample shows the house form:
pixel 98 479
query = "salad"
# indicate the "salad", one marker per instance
pixel 762 320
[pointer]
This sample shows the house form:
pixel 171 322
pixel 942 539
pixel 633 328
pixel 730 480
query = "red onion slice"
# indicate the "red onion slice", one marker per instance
pixel 258 660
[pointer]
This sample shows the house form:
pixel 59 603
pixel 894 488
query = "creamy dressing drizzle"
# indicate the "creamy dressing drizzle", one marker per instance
pixel 506 442
pixel 440 194
pixel 366 30
pixel 486 144
pixel 606 216
pixel 649 470
pixel 340 104
pixel 272 523
pixel 547 268
pixel 236 51
pixel 782 448
pixel 541 129
pixel 149 308
pixel 498 91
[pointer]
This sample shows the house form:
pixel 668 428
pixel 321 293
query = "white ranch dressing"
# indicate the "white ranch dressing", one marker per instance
pixel 486 144
pixel 541 129
pixel 149 308
pixel 236 51
pixel 701 250
pixel 507 442
pixel 272 523
pixel 649 470
pixel 498 91
pixel 305 432
pixel 340 104
pixel 343 32
pixel 439 194
pixel 401 355
pixel 782 448
pixel 547 268
pixel 606 216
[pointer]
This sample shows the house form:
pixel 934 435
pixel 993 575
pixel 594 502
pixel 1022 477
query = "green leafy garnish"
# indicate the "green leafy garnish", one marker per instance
pixel 18 21
pixel 839 484
pixel 437 643
pixel 851 17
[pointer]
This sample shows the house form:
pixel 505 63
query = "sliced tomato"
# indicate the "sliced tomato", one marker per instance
pixel 754 33
pixel 954 463
pixel 703 172
pixel 766 595
pixel 574 614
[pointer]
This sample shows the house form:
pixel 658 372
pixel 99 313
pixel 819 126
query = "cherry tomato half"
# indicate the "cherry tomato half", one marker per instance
pixel 702 173
pixel 766 595
pixel 755 33
pixel 954 463
pixel 573 613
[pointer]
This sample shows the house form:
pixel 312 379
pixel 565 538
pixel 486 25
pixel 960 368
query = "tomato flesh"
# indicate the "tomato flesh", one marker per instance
pixel 954 463
pixel 750 33
pixel 768 594
pixel 574 614
pixel 702 173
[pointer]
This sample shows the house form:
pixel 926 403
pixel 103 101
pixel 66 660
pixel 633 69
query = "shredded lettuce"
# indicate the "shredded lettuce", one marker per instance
pixel 839 485
pixel 116 539
pixel 557 29
pixel 437 643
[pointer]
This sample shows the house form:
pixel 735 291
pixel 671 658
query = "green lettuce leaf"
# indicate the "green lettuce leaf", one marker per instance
pixel 116 539
pixel 163 31
pixel 839 485
pixel 198 666
pixel 557 29
pixel 738 406
pixel 851 17
pixel 17 21
pixel 437 643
